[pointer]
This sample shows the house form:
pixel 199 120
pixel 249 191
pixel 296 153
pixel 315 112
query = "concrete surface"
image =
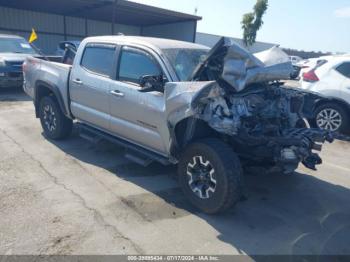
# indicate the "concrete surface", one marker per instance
pixel 73 197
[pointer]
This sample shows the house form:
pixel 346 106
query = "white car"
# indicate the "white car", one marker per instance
pixel 308 64
pixel 296 68
pixel 331 78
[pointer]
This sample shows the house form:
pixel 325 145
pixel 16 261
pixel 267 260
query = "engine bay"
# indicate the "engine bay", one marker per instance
pixel 265 124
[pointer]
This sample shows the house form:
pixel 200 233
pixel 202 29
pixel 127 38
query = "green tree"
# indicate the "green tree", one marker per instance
pixel 252 22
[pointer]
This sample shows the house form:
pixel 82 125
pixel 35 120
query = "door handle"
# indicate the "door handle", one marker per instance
pixel 77 81
pixel 117 93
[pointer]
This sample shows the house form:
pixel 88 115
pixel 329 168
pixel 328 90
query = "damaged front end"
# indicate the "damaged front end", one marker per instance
pixel 265 125
pixel 262 120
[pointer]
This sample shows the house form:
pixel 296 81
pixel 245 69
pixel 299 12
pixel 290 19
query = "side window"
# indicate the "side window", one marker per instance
pixel 99 59
pixel 135 63
pixel 344 69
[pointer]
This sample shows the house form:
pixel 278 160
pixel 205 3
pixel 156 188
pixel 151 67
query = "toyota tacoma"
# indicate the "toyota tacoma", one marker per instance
pixel 214 113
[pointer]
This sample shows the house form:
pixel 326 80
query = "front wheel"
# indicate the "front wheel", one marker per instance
pixel 54 123
pixel 332 117
pixel 210 175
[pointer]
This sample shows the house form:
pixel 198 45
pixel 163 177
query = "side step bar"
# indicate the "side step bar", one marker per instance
pixel 134 153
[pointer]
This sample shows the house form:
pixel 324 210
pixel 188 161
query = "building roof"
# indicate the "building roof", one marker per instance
pixel 126 12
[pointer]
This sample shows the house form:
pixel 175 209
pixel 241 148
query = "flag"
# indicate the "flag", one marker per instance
pixel 33 36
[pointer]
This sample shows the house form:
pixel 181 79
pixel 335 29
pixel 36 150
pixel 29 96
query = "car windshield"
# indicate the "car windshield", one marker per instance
pixel 185 60
pixel 15 45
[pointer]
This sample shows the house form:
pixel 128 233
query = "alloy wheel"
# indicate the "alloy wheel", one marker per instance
pixel 329 119
pixel 49 118
pixel 201 177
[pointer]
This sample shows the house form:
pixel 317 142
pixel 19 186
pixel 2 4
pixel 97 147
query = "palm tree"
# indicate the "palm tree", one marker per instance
pixel 252 22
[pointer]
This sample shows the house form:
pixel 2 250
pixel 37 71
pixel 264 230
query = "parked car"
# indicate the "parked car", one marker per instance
pixel 210 112
pixel 296 72
pixel 308 64
pixel 305 65
pixel 296 68
pixel 13 51
pixel 331 78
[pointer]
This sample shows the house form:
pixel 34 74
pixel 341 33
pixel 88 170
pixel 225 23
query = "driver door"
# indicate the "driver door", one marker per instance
pixel 136 116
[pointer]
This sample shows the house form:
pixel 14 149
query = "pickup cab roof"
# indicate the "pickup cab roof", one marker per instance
pixel 152 42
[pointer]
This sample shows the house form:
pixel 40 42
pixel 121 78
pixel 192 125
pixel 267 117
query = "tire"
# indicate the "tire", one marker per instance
pixel 55 124
pixel 340 123
pixel 211 154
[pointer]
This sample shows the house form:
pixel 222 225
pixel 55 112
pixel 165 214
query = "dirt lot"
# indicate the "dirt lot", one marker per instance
pixel 73 197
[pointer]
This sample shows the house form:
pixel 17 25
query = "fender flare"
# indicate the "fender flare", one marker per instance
pixel 55 90
pixel 332 99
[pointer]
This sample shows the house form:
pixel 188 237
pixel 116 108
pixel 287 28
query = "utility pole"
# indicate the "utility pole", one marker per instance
pixel 113 14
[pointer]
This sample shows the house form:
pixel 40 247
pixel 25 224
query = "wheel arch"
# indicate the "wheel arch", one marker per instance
pixel 45 89
pixel 188 130
pixel 337 101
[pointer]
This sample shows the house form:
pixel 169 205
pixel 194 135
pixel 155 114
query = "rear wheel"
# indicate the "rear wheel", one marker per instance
pixel 54 123
pixel 332 117
pixel 210 175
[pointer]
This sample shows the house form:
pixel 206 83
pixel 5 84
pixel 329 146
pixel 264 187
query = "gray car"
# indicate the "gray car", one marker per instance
pixel 13 51
pixel 214 112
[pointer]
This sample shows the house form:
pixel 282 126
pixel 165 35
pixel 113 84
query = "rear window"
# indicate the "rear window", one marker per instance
pixel 99 59
pixel 344 69
pixel 319 63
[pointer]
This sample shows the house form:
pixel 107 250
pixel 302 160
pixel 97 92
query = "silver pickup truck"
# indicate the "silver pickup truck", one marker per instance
pixel 215 113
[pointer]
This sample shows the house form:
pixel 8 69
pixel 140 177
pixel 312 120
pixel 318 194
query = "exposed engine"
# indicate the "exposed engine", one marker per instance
pixel 264 123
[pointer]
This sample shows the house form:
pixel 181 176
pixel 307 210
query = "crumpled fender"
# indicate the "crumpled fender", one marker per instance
pixel 182 98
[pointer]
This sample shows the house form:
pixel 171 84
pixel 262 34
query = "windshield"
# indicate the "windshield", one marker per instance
pixel 185 60
pixel 15 45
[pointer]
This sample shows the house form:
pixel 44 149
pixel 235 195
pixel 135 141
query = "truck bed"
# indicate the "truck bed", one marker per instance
pixel 40 72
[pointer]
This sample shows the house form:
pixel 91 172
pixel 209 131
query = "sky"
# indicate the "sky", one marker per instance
pixel 310 25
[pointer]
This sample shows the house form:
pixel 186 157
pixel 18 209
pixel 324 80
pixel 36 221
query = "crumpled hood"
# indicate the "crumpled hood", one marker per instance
pixel 235 67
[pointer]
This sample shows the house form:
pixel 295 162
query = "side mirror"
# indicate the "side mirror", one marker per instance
pixel 151 83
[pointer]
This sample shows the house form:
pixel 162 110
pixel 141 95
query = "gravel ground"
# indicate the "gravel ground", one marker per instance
pixel 73 197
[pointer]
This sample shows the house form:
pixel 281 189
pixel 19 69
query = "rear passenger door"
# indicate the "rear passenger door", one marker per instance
pixel 90 81
pixel 138 116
